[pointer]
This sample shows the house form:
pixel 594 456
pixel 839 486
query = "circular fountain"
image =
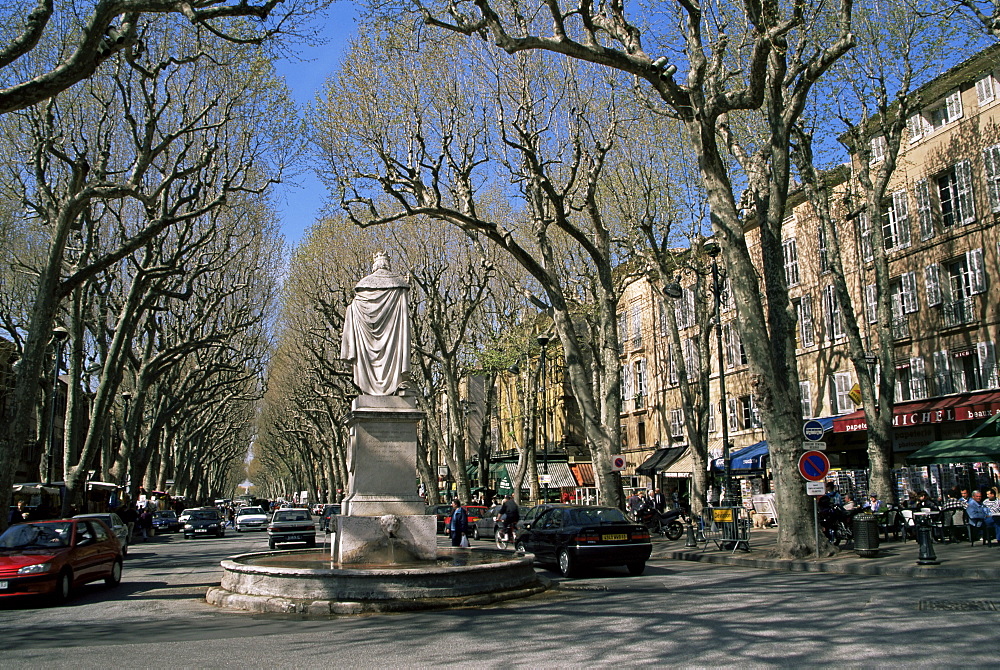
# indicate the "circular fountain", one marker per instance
pixel 308 582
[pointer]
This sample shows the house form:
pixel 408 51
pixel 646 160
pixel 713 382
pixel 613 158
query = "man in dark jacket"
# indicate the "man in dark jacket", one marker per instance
pixel 459 523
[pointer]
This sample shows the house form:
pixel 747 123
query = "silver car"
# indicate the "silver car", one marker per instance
pixel 251 518
pixel 115 523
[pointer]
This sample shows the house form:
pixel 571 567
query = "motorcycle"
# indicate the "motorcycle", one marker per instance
pixel 668 524
pixel 836 525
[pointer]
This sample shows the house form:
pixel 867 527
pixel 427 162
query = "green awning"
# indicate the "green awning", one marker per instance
pixel 964 450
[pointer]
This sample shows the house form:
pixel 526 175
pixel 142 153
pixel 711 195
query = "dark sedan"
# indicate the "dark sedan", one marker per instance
pixel 203 521
pixel 166 521
pixel 486 526
pixel 571 536
pixel 326 522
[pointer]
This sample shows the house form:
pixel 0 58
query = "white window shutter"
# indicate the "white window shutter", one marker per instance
pixel 805 392
pixel 909 281
pixel 871 303
pixel 866 236
pixel 915 127
pixel 918 379
pixel 984 89
pixel 977 281
pixel 932 279
pixel 924 210
pixel 963 172
pixel 991 161
pixel 808 331
pixel 954 103
pixel 987 364
pixel 942 372
pixel 733 415
pixel 901 210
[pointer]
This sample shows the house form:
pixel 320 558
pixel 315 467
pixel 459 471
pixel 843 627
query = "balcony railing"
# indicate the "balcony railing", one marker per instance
pixel 958 312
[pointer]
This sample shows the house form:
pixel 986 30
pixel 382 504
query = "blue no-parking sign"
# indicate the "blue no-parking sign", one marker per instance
pixel 814 466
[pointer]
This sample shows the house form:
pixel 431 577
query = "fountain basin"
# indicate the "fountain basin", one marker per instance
pixel 306 582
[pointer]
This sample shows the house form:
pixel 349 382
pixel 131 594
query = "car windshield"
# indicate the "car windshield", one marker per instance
pixel 598 515
pixel 292 515
pixel 166 515
pixel 250 510
pixel 31 535
pixel 204 515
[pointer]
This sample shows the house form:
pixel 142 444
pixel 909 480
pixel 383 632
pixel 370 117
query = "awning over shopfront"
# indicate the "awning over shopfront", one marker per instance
pixel 659 460
pixel 682 467
pixel 749 458
pixel 981 446
pixel 583 473
pixel 961 407
pixel 561 475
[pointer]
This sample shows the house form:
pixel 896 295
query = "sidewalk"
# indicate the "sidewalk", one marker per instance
pixel 895 558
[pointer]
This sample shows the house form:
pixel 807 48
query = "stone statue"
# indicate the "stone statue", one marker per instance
pixel 376 337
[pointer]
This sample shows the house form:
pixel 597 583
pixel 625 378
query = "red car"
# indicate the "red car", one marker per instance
pixel 475 513
pixel 53 557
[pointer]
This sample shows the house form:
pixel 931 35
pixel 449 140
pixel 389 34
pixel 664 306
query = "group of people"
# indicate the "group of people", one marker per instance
pixel 654 498
pixel 507 517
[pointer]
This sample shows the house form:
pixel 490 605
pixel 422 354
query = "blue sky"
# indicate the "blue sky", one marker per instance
pixel 299 203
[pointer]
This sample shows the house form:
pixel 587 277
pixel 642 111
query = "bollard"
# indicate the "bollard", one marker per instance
pixel 927 556
pixel 690 542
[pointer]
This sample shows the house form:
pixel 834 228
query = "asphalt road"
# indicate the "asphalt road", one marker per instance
pixel 676 614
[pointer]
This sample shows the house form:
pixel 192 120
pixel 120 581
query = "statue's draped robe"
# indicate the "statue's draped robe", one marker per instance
pixel 376 337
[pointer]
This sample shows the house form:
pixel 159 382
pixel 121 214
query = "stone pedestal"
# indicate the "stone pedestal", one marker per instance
pixel 383 517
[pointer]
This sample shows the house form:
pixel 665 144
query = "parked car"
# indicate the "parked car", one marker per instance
pixel 166 521
pixel 250 518
pixel 441 511
pixel 115 523
pixel 54 557
pixel 475 513
pixel 531 514
pixel 291 525
pixel 571 536
pixel 486 526
pixel 203 521
pixel 326 522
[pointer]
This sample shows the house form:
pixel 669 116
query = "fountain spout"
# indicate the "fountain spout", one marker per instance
pixel 390 524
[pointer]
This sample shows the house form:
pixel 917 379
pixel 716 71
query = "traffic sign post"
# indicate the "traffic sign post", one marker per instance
pixel 617 463
pixel 814 466
pixel 813 430
pixel 815 488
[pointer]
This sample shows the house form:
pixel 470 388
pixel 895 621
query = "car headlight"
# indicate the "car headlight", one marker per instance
pixel 213 525
pixel 187 525
pixel 35 569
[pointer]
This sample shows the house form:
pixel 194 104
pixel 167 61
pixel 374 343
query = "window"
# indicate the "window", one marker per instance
pixel 965 279
pixel 735 354
pixel 878 149
pixel 987 365
pixel 896 223
pixel 626 384
pixel 840 388
pixel 622 332
pixel 672 365
pixel 865 233
pixel 910 381
pixel 748 409
pixel 824 257
pixel 984 90
pixel 968 369
pixel 711 418
pixel 954 187
pixel 684 309
pixel 806 331
pixel 903 301
pixel 991 158
pixel 677 423
pixel 791 256
pixel 731 415
pixel 726 299
pixel 916 127
pixel 926 122
pixel 640 432
pixel 805 391
pixel 636 326
pixel 871 303
pixel 832 314
pixel 640 384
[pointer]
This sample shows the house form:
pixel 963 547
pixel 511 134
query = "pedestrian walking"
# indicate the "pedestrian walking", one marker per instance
pixel 459 524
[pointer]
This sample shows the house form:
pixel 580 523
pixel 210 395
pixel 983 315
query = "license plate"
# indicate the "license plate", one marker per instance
pixel 614 538
pixel 3 586
pixel 201 530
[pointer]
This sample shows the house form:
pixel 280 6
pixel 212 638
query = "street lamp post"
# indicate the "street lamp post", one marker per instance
pixel 713 249
pixel 59 336
pixel 543 341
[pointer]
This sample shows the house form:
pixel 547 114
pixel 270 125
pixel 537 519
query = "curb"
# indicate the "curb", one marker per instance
pixel 834 567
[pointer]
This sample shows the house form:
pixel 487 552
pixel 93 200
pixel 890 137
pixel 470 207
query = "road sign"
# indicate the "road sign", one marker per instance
pixel 813 430
pixel 814 466
pixel 815 488
pixel 617 463
pixel 818 446
pixel 545 479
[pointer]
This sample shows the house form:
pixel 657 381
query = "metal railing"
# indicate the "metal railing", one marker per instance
pixel 958 312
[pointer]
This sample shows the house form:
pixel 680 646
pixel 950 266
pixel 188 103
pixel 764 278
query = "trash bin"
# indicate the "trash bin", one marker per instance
pixel 866 535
